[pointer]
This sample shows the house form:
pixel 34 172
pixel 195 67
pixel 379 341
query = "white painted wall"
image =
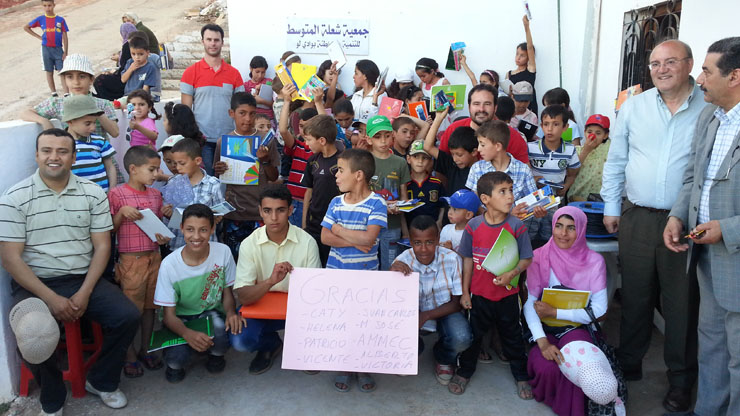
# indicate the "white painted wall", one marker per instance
pixel 696 19
pixel 17 161
pixel 491 31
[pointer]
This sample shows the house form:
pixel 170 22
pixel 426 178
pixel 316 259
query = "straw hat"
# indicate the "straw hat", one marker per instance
pixel 35 329
pixel 586 366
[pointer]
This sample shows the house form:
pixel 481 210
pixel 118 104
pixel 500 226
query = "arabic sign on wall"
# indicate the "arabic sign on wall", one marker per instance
pixel 313 35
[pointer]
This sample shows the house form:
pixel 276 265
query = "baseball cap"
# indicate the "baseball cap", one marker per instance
pixel 376 124
pixel 76 106
pixel 522 91
pixel 417 147
pixel 170 142
pixel 464 199
pixel 505 85
pixel 77 62
pixel 36 331
pixel 599 120
pixel 405 75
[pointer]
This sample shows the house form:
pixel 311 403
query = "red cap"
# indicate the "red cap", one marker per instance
pixel 599 120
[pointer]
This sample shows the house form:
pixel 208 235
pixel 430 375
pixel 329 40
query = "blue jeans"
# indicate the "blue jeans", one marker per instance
pixel 177 357
pixel 259 335
pixel 388 246
pixel 540 228
pixel 296 217
pixel 209 149
pixel 455 337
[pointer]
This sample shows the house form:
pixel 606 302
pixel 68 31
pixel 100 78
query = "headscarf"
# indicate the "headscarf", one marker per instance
pixel 577 267
pixel 127 29
pixel 133 17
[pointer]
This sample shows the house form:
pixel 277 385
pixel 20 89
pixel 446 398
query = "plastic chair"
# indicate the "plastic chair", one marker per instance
pixel 78 366
pixel 272 306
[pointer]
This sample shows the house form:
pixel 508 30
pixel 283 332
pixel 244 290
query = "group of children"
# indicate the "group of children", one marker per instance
pixel 348 172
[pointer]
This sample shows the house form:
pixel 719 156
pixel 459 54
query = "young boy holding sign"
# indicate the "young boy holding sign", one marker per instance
pixel 440 271
pixel 351 227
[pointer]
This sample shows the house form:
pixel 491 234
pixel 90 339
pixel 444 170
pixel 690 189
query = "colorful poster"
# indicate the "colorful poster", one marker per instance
pixel 363 321
pixel 239 154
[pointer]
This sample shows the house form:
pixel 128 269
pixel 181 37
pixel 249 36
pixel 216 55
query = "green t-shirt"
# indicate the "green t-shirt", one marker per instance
pixel 390 174
pixel 193 290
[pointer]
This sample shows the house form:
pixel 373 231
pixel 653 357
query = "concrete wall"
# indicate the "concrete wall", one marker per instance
pixel 400 34
pixel 17 161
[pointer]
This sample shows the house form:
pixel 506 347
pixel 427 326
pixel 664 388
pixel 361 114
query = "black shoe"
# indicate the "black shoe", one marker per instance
pixel 677 400
pixel 263 360
pixel 215 364
pixel 632 374
pixel 174 376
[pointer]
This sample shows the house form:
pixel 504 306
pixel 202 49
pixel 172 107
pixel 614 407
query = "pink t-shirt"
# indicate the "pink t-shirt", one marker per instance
pixel 138 138
pixel 250 87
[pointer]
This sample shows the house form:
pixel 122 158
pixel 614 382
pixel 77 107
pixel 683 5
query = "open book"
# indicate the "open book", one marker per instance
pixel 164 338
pixel 564 299
pixel 503 257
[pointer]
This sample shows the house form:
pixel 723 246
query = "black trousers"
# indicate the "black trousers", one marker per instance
pixel 504 314
pixel 114 312
pixel 650 270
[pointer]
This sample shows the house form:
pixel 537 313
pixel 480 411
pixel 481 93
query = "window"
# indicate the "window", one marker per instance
pixel 642 30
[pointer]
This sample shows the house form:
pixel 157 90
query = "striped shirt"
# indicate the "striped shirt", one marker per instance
pixel 478 240
pixel 552 164
pixel 729 126
pixel 300 154
pixel 370 211
pixel 207 192
pixel 439 280
pixel 518 171
pixel 89 163
pixel 55 227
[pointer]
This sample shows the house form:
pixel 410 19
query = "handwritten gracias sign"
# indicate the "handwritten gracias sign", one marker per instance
pixel 313 35
pixel 361 321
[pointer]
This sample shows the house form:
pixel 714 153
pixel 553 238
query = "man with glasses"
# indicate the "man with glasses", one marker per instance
pixel 650 150
pixel 707 209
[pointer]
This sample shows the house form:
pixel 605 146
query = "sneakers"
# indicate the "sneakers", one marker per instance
pixel 114 399
pixel 57 413
pixel 55 94
pixel 174 375
pixel 215 364
pixel 263 360
pixel 443 373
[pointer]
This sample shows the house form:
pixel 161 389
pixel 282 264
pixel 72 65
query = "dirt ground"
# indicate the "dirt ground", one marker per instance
pixel 93 25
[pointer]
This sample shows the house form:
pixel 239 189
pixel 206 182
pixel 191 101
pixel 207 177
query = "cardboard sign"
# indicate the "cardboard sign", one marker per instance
pixel 352 320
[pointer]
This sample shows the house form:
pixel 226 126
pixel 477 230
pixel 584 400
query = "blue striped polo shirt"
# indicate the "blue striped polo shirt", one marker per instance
pixel 90 154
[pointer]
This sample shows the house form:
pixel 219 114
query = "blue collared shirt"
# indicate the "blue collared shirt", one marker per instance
pixel 729 126
pixel 649 151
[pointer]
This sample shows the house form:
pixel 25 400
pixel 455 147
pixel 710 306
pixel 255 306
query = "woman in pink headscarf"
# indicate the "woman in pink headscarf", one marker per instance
pixel 564 262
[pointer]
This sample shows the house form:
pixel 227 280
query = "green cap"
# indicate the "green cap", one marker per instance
pixel 377 124
pixel 76 106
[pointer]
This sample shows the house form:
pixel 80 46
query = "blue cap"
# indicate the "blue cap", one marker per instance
pixel 464 199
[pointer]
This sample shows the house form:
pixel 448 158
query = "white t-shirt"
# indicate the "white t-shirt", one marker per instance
pixel 552 164
pixel 449 233
pixel 426 89
pixel 363 105
pixel 193 290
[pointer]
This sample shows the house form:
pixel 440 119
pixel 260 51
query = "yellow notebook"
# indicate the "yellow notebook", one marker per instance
pixel 564 299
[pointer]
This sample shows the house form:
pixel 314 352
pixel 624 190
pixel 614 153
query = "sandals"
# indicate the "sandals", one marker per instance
pixel 457 385
pixel 524 390
pixel 365 379
pixel 443 373
pixel 344 379
pixel 484 357
pixel 150 361
pixel 133 369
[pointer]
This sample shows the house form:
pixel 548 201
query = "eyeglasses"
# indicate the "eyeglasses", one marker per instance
pixel 670 63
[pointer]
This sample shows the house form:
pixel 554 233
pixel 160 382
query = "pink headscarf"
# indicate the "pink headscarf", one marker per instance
pixel 577 267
